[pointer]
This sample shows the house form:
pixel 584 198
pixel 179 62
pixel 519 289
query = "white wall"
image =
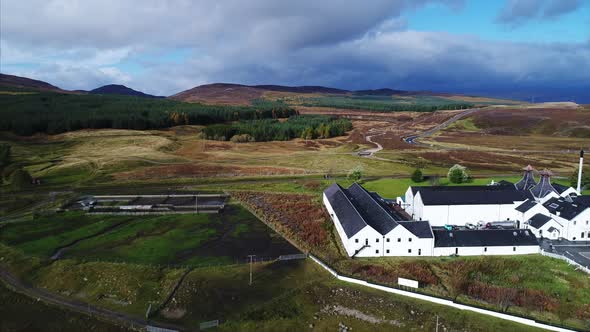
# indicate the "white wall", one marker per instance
pixel 403 243
pixel 575 227
pixel 358 240
pixel 439 215
pixel 481 251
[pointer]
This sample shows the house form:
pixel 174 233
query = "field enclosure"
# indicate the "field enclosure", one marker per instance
pixel 185 239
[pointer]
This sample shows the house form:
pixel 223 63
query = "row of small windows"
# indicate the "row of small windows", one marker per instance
pixel 387 251
pixel 399 239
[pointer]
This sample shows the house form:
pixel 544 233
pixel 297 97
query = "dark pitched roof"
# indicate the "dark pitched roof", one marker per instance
pixel 484 238
pixel 421 229
pixel 526 205
pixel 559 188
pixel 544 187
pixel 351 221
pixel 582 200
pixel 470 195
pixel 564 208
pixel 504 183
pixel 374 214
pixel 528 180
pixel 539 220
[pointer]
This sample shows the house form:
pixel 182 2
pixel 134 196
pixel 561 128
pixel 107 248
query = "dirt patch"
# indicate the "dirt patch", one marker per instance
pixel 344 311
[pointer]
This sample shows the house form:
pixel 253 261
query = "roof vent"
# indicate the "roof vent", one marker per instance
pixel 451 234
pixel 526 233
pixel 514 233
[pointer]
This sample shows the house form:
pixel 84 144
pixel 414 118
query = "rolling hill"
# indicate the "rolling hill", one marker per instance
pixel 23 83
pixel 117 89
pixel 239 94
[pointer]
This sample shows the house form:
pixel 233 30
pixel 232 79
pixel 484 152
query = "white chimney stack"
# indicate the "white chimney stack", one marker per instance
pixel 580 172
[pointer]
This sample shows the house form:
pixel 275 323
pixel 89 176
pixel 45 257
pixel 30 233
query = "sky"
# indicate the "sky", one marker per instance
pixel 510 48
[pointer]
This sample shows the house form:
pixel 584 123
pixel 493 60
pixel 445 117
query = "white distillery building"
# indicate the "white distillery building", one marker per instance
pixel 369 227
pixel 447 205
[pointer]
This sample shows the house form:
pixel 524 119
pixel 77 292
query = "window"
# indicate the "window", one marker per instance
pixel 587 222
pixel 409 251
pixel 574 222
pixel 387 240
pixel 409 239
pixel 356 240
pixel 377 240
pixel 419 252
pixel 456 251
pixel 366 242
pixel 387 251
pixel 513 248
pixel 399 239
pixel 485 249
pixel 377 251
pixel 582 236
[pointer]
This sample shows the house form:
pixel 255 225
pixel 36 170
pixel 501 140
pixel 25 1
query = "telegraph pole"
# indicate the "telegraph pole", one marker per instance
pixel 251 257
pixel 436 323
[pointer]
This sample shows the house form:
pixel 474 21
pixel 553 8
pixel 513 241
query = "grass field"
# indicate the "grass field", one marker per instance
pixel 297 295
pixel 184 239
pixel 16 311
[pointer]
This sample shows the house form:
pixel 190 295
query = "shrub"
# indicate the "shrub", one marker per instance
pixel 243 138
pixel 20 179
pixel 458 174
pixel 355 174
pixel 417 175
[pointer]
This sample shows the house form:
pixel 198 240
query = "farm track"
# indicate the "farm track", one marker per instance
pixel 133 322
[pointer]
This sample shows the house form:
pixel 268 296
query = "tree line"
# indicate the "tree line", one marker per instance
pixel 302 126
pixel 54 113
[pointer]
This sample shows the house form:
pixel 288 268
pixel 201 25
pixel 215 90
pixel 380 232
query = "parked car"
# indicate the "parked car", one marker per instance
pixel 448 227
pixel 470 226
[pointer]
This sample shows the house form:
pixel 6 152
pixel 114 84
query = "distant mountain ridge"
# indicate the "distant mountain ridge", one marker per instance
pixel 118 89
pixel 27 83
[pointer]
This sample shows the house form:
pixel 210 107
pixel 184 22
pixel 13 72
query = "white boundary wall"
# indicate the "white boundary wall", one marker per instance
pixel 448 303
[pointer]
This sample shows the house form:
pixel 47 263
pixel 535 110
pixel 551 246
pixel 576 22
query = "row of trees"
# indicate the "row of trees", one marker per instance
pixel 456 174
pixel 303 126
pixel 385 104
pixel 53 113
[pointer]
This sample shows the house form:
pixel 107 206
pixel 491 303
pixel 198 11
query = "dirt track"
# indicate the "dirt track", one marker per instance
pixel 105 314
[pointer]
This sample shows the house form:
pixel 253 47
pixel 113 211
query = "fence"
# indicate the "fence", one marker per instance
pixel 571 262
pixel 209 324
pixel 440 301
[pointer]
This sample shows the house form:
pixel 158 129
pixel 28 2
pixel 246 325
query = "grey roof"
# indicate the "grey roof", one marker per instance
pixel 559 188
pixel 357 208
pixel 370 209
pixel 470 195
pixel 526 205
pixel 349 218
pixel 527 182
pixel 421 229
pixel 539 220
pixel 567 210
pixel 543 188
pixel 582 200
pixel 484 238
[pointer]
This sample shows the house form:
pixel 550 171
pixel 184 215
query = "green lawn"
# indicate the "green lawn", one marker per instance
pixel 392 188
pixel 43 235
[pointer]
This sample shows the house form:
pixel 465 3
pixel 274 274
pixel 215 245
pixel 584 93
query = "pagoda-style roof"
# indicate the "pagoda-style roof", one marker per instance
pixel 544 187
pixel 528 180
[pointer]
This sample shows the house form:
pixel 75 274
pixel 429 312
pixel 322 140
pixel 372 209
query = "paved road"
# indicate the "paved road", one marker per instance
pixel 412 139
pixel 16 284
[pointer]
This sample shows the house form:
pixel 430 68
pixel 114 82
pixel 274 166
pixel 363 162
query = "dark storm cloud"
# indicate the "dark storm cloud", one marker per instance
pixel 355 45
pixel 516 12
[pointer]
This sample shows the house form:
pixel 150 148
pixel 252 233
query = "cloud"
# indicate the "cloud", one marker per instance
pixel 84 44
pixel 517 12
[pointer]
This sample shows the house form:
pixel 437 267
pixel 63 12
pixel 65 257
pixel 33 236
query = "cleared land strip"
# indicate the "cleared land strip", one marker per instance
pixel 440 301
pixel 412 139
pixel 109 315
